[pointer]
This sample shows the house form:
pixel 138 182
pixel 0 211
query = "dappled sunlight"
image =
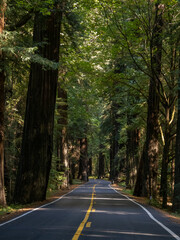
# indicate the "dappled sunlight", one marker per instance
pixel 125 213
pixel 96 198
pixel 78 198
pixel 112 199
pixel 137 233
pixel 109 234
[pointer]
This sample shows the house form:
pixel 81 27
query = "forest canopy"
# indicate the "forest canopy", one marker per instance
pixel 89 88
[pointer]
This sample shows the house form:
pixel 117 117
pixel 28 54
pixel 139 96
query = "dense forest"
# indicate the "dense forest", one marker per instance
pixel 89 88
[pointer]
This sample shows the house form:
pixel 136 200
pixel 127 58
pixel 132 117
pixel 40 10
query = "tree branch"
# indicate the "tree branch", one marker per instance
pixel 22 21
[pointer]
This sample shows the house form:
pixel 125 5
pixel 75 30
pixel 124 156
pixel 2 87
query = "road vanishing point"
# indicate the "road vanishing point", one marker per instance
pixel 92 211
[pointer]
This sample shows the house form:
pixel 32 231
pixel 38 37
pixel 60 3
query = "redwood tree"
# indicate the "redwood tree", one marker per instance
pixel 2 109
pixel 83 160
pixel 37 143
pixel 62 135
pixel 101 168
pixel 176 199
pixel 149 169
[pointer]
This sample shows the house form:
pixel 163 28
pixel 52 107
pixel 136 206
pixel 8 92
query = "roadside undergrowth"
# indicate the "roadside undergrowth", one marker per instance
pixel 154 202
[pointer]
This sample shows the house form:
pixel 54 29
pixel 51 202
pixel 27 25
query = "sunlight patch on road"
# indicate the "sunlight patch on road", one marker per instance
pixel 138 233
pixel 117 212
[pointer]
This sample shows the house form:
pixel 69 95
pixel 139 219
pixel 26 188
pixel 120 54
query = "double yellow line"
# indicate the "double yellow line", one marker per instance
pixel 81 226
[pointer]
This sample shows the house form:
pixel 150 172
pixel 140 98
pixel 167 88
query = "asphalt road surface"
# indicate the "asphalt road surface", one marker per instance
pixel 92 211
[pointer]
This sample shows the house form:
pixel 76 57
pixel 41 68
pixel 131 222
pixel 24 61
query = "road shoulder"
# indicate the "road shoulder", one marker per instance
pixel 29 207
pixel 143 200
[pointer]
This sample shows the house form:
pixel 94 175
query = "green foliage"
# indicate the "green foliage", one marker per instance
pixel 105 66
pixel 56 177
pixel 44 6
pixel 10 209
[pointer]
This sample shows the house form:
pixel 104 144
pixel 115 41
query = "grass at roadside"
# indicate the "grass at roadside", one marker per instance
pixel 76 182
pixel 9 209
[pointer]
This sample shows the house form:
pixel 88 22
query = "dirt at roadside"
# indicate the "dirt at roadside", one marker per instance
pixel 8 216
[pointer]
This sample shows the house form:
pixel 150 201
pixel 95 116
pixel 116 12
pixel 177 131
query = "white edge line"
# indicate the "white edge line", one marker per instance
pixel 149 214
pixel 35 209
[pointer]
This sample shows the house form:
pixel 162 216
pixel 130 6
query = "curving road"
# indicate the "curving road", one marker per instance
pixel 92 211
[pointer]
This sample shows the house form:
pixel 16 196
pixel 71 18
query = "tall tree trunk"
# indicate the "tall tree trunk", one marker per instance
pixel 165 159
pixel 176 198
pixel 132 160
pixel 114 144
pixel 83 161
pixel 90 166
pixel 37 144
pixel 101 170
pixel 152 143
pixel 74 156
pixel 138 189
pixel 62 122
pixel 2 110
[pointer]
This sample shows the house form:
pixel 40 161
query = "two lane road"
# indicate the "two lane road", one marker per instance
pixel 92 211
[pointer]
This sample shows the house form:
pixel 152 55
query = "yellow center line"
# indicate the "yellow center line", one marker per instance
pixel 81 226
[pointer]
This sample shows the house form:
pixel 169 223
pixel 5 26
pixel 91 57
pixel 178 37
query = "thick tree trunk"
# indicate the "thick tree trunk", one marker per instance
pixel 37 144
pixel 176 198
pixel 2 110
pixel 152 143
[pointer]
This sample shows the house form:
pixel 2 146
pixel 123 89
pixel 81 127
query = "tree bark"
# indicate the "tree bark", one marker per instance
pixel 2 110
pixel 101 170
pixel 83 161
pixel 176 198
pixel 138 189
pixel 114 144
pixel 37 144
pixel 165 159
pixel 74 156
pixel 132 160
pixel 90 167
pixel 62 122
pixel 152 143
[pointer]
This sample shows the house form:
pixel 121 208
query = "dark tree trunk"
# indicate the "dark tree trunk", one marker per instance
pixel 132 160
pixel 138 189
pixel 152 143
pixel 83 161
pixel 114 144
pixel 101 170
pixel 90 166
pixel 165 159
pixel 80 169
pixel 176 198
pixel 2 110
pixel 74 156
pixel 37 144
pixel 62 124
